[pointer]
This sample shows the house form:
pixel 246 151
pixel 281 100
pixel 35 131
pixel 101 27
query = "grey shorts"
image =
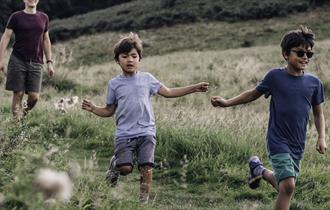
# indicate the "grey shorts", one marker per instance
pixel 143 147
pixel 23 76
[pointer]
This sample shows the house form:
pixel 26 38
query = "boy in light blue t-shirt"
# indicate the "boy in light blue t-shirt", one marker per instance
pixel 293 93
pixel 129 98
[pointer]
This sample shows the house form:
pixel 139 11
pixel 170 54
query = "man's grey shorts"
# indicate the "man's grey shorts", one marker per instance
pixel 143 146
pixel 23 76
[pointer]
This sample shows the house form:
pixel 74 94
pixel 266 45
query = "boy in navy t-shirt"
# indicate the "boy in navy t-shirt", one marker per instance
pixel 129 97
pixel 293 93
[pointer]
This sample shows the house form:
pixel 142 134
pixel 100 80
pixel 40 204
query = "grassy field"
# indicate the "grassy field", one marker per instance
pixel 202 152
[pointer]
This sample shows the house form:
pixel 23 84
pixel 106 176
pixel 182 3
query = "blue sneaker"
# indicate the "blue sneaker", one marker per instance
pixel 112 174
pixel 254 181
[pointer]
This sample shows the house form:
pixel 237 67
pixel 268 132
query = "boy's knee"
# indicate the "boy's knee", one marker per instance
pixel 124 170
pixel 287 186
pixel 145 168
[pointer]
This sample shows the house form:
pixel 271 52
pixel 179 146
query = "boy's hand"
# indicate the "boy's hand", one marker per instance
pixel 88 105
pixel 202 87
pixel 321 145
pixel 218 101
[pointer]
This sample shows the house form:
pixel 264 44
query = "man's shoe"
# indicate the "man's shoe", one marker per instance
pixel 254 181
pixel 143 198
pixel 112 174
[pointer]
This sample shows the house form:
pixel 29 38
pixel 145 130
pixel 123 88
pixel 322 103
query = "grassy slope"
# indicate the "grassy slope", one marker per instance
pixel 141 14
pixel 202 151
pixel 198 37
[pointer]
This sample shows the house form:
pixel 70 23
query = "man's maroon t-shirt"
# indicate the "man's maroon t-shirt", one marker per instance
pixel 29 32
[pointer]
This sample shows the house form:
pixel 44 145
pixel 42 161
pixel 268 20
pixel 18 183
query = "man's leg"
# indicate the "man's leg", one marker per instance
pixel 16 107
pixel 32 100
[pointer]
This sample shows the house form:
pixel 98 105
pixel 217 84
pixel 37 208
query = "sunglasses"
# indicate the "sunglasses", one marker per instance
pixel 301 53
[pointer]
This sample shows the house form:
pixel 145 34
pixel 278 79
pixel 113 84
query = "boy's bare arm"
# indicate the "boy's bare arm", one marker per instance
pixel 245 97
pixel 3 46
pixel 181 91
pixel 319 121
pixel 106 111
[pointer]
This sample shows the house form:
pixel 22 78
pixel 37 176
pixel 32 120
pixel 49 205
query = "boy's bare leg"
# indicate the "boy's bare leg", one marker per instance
pixel 16 106
pixel 285 189
pixel 145 183
pixel 31 101
pixel 285 192
pixel 268 175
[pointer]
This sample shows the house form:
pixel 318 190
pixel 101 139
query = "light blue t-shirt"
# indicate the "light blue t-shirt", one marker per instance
pixel 291 100
pixel 132 96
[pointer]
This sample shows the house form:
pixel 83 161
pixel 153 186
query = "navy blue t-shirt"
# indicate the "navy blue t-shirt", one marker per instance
pixel 291 100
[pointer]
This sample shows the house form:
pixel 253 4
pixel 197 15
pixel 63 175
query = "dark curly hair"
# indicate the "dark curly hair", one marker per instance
pixel 302 36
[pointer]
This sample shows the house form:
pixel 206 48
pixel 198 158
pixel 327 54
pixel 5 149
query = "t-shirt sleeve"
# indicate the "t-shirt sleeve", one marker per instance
pixel 46 24
pixel 154 85
pixel 11 22
pixel 111 97
pixel 265 86
pixel 318 95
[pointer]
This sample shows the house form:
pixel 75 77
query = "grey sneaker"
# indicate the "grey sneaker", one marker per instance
pixel 254 181
pixel 112 174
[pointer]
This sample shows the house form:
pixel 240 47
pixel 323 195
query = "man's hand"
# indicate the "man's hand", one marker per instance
pixel 218 101
pixel 321 145
pixel 2 67
pixel 50 69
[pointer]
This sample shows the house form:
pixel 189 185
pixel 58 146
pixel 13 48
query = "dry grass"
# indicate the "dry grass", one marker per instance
pixel 229 72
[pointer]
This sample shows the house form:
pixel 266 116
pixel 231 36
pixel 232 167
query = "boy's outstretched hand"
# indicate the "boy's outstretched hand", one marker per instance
pixel 87 105
pixel 202 87
pixel 321 146
pixel 218 101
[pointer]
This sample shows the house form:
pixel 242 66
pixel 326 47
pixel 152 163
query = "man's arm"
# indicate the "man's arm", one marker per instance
pixel 48 54
pixel 3 46
pixel 181 91
pixel 106 111
pixel 319 121
pixel 245 97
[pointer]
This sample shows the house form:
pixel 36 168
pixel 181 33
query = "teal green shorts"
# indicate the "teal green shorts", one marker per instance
pixel 284 166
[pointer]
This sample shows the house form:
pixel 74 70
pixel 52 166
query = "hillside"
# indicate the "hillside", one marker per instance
pixel 56 9
pixel 127 15
pixel 213 35
pixel 144 14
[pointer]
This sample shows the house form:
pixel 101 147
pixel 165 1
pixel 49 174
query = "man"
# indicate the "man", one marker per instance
pixel 26 61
